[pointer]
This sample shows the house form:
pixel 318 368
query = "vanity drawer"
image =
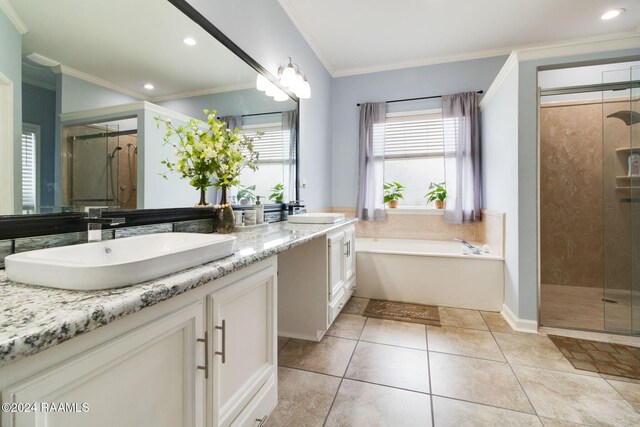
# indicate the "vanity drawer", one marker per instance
pixel 349 288
pixel 259 407
pixel 336 305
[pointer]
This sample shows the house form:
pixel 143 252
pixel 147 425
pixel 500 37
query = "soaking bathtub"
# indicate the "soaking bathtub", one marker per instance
pixel 428 272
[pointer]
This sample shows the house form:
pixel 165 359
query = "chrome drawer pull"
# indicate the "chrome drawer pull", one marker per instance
pixel 205 340
pixel 223 328
pixel 261 421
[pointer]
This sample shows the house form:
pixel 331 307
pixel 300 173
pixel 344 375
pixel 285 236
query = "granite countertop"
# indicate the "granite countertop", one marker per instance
pixel 34 318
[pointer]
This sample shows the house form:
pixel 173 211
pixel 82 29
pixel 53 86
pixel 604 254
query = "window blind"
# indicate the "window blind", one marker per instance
pixel 29 142
pixel 270 145
pixel 414 135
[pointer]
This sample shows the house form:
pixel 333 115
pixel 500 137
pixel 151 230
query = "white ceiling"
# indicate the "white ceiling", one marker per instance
pixel 129 43
pixel 359 36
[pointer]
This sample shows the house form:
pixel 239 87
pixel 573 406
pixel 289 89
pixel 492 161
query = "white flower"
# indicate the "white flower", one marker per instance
pixel 209 152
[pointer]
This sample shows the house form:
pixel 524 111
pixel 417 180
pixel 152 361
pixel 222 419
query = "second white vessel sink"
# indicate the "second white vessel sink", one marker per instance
pixel 116 263
pixel 316 218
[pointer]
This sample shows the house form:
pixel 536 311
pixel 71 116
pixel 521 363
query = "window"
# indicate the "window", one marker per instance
pixel 273 148
pixel 414 152
pixel 30 148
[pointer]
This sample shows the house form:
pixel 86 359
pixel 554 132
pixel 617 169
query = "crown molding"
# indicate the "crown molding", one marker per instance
pixel 118 111
pixel 422 62
pixel 37 83
pixel 571 47
pixel 580 46
pixel 63 69
pixel 509 65
pixel 201 92
pixel 298 22
pixel 13 16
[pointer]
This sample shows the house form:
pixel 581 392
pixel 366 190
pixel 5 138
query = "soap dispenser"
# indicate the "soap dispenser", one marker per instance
pixel 259 211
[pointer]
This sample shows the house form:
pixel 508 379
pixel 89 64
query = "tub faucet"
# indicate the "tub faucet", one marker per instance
pixel 94 223
pixel 474 250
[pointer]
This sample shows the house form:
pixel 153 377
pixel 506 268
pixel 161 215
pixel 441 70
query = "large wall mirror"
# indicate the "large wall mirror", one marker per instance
pixel 94 76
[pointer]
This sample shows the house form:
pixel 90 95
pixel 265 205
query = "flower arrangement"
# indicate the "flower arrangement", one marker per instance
pixel 210 155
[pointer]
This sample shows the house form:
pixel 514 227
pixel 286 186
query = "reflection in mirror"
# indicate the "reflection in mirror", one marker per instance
pixel 90 89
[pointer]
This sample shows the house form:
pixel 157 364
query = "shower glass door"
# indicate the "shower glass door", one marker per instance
pixel 621 193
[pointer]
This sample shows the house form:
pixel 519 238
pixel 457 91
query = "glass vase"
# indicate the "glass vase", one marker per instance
pixel 226 221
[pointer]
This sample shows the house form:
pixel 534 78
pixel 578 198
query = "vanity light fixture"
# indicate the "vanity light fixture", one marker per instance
pixel 189 41
pixel 610 14
pixel 148 86
pixel 289 76
pixel 295 80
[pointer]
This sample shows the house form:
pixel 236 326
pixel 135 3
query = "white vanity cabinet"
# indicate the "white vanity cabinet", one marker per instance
pixel 315 282
pixel 206 357
pixel 147 377
pixel 341 247
pixel 242 324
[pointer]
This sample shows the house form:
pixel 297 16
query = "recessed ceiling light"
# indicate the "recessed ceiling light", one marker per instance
pixel 189 41
pixel 148 86
pixel 610 14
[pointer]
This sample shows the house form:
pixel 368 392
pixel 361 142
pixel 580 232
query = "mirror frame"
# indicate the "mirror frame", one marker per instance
pixel 31 225
pixel 201 20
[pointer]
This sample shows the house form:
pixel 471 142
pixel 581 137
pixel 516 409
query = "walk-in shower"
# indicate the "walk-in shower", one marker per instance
pixel 589 199
pixel 100 166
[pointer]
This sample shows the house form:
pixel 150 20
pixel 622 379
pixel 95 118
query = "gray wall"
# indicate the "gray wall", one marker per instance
pixel 264 31
pixel 39 107
pixel 499 171
pixel 435 79
pixel 11 67
pixel 79 95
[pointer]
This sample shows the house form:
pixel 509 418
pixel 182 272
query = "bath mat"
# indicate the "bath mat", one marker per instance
pixel 604 358
pixel 405 312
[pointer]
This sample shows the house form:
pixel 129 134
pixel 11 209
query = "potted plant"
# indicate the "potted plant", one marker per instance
pixel 246 194
pixel 393 193
pixel 277 193
pixel 437 193
pixel 210 155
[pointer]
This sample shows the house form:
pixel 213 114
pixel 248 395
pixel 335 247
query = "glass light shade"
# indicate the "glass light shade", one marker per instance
pixel 288 76
pixel 280 96
pixel 304 91
pixel 297 83
pixel 271 89
pixel 262 82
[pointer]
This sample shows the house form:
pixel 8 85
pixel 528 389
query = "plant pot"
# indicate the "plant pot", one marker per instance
pixel 439 204
pixel 393 204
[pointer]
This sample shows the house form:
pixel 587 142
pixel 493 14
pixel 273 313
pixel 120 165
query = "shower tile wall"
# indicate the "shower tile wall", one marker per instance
pixel 571 214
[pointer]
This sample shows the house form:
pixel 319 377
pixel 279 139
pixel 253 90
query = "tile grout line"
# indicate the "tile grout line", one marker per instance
pixel 535 411
pixel 620 394
pixel 335 396
pixel 426 339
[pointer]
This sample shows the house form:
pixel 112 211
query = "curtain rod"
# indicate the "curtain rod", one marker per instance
pixel 416 99
pixel 259 114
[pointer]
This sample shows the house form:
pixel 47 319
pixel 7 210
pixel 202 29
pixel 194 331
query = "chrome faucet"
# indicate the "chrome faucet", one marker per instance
pixel 474 250
pixel 94 223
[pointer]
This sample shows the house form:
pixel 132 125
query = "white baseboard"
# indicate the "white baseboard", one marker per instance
pixel 517 324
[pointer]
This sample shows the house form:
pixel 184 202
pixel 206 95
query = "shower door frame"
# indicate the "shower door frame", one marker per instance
pixel 598 87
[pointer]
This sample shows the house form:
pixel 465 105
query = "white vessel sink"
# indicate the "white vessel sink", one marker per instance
pixel 316 218
pixel 116 263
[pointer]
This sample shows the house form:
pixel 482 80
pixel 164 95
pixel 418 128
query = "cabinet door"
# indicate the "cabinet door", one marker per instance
pixel 147 377
pixel 242 322
pixel 350 258
pixel 337 250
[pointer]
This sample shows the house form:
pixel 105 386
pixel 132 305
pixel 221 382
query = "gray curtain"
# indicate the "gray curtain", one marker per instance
pixel 232 122
pixel 289 120
pixel 370 204
pixel 461 158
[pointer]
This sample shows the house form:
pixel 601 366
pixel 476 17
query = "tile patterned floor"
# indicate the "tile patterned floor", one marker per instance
pixel 472 371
